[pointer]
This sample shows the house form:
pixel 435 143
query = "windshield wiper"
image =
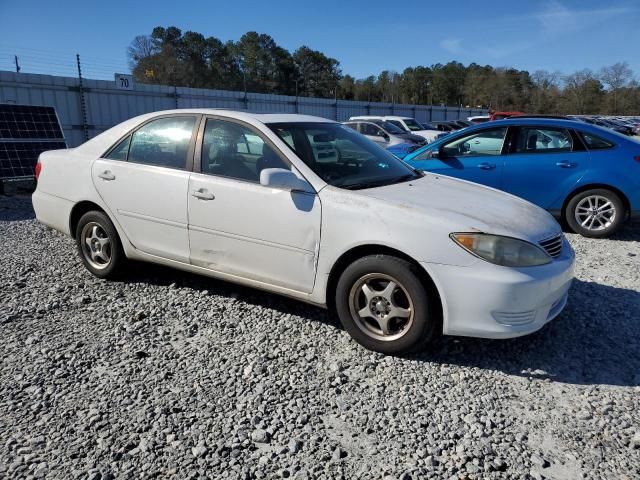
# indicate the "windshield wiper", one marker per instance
pixel 381 183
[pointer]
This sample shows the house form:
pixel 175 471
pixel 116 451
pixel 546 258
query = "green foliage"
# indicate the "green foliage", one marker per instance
pixel 256 63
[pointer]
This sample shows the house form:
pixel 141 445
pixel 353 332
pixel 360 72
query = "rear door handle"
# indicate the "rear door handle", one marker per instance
pixel 487 166
pixel 107 175
pixel 566 164
pixel 203 194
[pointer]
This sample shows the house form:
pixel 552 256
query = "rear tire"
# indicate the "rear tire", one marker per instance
pixel 99 246
pixel 596 213
pixel 384 306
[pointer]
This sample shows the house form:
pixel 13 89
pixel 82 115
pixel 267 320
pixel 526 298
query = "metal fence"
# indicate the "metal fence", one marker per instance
pixel 88 107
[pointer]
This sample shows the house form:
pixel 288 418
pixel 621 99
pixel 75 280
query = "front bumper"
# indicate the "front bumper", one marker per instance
pixel 489 301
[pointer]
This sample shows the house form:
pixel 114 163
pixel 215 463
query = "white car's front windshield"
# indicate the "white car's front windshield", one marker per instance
pixel 412 124
pixel 342 157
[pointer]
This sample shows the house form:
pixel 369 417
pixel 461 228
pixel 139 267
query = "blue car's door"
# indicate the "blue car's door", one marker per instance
pixel 543 164
pixel 476 157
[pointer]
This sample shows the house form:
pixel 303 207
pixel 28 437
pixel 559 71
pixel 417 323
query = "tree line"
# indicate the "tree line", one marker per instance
pixel 256 63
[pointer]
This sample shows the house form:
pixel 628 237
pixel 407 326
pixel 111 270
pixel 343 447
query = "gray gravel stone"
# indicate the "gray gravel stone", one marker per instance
pixel 260 436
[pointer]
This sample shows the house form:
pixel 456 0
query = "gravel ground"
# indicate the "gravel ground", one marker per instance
pixel 167 374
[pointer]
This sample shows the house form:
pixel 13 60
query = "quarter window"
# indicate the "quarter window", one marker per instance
pixel 594 142
pixel 234 151
pixel 486 142
pixel 543 140
pixel 163 142
pixel 120 151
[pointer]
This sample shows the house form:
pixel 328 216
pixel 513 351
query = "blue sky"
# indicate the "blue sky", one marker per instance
pixel 366 37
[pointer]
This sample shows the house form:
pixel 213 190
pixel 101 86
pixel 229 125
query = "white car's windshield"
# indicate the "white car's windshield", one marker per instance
pixel 341 157
pixel 412 124
pixel 389 127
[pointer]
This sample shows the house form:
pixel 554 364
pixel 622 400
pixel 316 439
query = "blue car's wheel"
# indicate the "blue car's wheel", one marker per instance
pixel 596 213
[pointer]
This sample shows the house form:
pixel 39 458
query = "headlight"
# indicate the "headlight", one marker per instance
pixel 505 251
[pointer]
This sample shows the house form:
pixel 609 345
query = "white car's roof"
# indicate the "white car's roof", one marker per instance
pixel 379 117
pixel 239 114
pixel 97 145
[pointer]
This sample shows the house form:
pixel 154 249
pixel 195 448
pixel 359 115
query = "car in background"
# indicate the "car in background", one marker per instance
pixel 586 175
pixel 603 124
pixel 502 115
pixel 479 119
pixel 444 125
pixel 400 256
pixel 618 126
pixel 462 123
pixel 408 124
pixel 384 133
pixel 401 150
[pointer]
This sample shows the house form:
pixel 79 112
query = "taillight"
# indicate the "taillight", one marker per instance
pixel 637 158
pixel 38 169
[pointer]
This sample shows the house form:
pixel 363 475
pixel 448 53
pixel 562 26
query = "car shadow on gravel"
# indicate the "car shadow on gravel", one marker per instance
pixel 594 341
pixel 169 277
pixel 15 208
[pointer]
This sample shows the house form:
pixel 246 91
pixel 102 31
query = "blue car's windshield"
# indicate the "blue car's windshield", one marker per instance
pixel 342 157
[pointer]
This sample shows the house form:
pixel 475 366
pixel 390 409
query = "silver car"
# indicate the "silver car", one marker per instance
pixel 384 133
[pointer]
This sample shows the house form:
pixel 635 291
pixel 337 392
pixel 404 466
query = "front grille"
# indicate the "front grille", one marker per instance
pixel 553 245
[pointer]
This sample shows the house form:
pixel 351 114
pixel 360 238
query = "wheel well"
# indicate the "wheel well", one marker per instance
pixel 361 251
pixel 78 210
pixel 591 186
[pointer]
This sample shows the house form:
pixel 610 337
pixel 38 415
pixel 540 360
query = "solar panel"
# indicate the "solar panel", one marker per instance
pixel 25 132
pixel 18 159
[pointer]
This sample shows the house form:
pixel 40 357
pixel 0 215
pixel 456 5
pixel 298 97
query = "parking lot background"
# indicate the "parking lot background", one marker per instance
pixel 87 109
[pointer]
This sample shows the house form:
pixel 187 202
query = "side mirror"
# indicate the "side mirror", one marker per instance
pixel 284 179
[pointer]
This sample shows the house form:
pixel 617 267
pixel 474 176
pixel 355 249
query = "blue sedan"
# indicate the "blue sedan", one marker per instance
pixel 586 175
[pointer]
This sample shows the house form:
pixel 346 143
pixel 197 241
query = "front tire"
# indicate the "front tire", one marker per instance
pixel 99 245
pixel 384 306
pixel 596 213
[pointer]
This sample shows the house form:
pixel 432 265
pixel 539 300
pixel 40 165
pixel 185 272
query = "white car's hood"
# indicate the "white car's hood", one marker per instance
pixel 468 207
pixel 427 133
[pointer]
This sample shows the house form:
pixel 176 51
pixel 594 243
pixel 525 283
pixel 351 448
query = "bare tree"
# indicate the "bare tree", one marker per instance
pixel 140 48
pixel 615 77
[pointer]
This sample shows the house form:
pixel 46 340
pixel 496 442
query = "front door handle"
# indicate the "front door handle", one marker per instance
pixel 487 166
pixel 565 164
pixel 107 175
pixel 203 194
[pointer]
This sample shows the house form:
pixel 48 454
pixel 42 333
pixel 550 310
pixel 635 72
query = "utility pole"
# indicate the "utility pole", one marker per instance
pixel 15 59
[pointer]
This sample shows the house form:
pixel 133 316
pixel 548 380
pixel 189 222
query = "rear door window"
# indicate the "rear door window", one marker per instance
pixel 163 142
pixel 369 129
pixel 543 140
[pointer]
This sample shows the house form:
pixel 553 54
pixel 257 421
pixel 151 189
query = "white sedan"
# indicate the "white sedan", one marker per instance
pixel 400 256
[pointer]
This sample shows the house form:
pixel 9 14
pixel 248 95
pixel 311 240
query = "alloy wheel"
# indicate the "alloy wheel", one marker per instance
pixel 96 245
pixel 595 213
pixel 381 307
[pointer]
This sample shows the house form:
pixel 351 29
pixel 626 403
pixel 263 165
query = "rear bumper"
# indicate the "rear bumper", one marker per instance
pixel 52 211
pixel 489 301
